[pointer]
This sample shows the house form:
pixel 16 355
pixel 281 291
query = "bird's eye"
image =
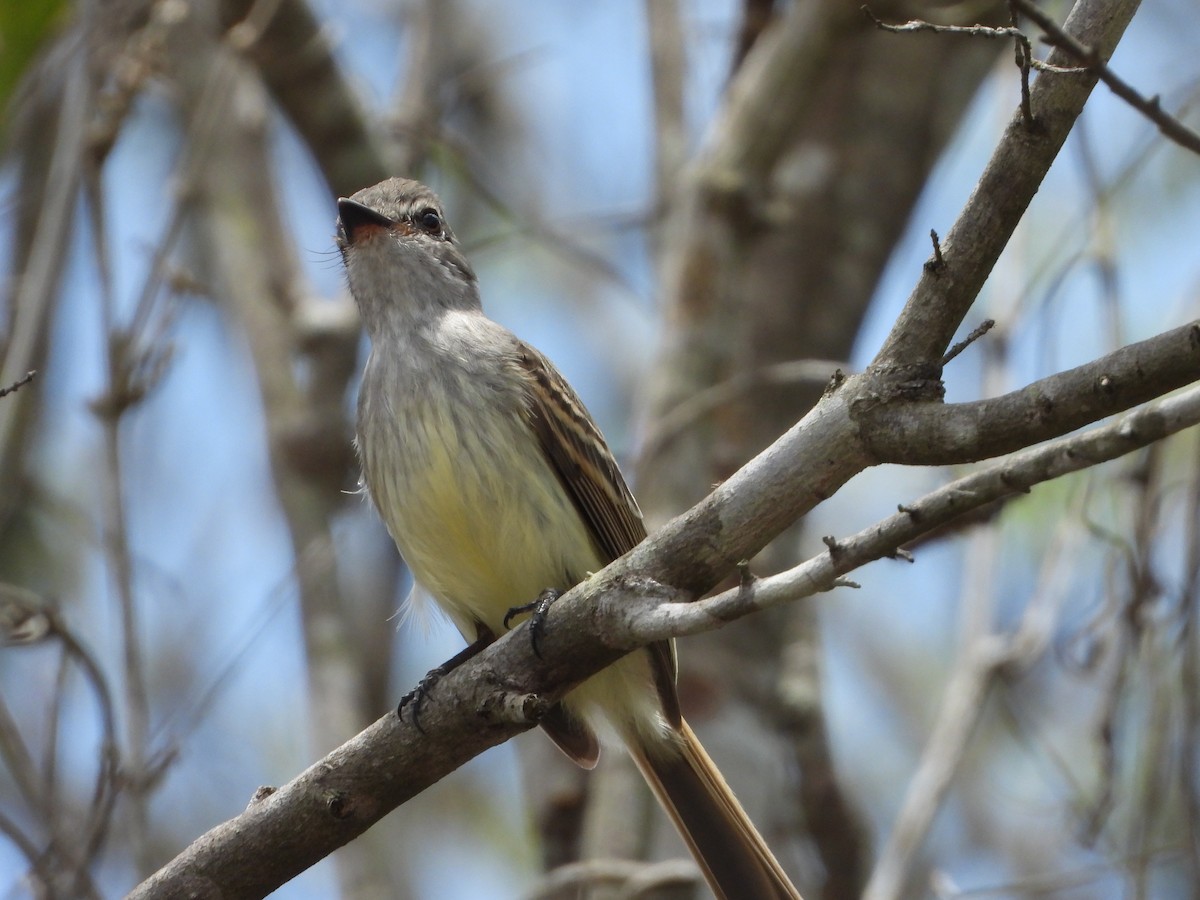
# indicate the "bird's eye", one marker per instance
pixel 429 221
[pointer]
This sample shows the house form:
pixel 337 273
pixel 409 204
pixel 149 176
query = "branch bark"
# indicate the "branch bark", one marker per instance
pixel 935 434
pixel 502 691
pixel 944 294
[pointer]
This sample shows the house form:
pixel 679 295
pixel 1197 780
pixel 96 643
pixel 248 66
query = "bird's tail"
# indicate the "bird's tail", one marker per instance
pixel 736 861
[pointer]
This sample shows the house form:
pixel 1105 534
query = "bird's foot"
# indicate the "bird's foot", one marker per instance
pixel 537 619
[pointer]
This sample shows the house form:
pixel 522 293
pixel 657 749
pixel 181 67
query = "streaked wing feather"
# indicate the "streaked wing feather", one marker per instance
pixel 576 450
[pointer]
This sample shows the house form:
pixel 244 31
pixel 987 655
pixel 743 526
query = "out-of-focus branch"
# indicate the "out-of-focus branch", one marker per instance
pixel 257 275
pixel 688 412
pixel 668 75
pixel 1189 646
pixel 73 842
pixel 49 184
pixel 986 661
pixel 292 53
pixel 117 400
pixel 756 16
pixel 417 112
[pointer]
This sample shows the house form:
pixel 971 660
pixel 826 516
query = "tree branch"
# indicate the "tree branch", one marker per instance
pixel 293 55
pixel 502 691
pixel 934 434
pixel 1005 478
pixel 19 383
pixel 1170 126
pixel 940 301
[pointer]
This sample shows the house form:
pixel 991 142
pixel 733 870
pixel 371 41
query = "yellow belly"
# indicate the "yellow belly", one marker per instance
pixel 485 525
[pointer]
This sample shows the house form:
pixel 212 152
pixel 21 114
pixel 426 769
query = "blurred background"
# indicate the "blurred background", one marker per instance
pixel 698 209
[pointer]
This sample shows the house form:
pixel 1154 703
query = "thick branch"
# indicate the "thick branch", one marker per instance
pixel 500 692
pixel 1004 478
pixel 933 434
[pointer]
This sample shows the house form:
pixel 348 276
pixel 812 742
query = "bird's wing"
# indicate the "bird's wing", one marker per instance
pixel 576 451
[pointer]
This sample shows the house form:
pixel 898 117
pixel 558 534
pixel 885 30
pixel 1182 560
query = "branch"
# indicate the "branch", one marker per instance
pixel 987 660
pixel 19 383
pixel 1006 478
pixel 1087 56
pixel 294 57
pixel 937 434
pixel 502 691
pixel 941 299
pixel 668 68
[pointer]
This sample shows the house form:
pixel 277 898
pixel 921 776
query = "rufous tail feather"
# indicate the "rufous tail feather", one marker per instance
pixel 736 861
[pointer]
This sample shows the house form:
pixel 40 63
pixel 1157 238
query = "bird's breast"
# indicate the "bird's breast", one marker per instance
pixel 468 495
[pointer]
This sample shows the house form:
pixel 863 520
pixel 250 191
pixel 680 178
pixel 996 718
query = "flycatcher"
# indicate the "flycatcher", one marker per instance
pixel 497 486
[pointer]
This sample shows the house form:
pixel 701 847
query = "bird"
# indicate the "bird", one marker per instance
pixel 500 492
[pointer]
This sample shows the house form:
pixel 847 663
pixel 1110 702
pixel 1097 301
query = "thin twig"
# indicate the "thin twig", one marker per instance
pixel 19 383
pixel 983 328
pixel 1024 59
pixel 938 262
pixel 1022 48
pixel 117 399
pixel 914 25
pixel 1149 107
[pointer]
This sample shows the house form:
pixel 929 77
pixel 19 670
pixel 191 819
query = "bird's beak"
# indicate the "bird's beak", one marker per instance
pixel 356 221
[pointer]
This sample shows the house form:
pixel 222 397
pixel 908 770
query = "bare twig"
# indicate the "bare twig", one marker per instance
pixel 976 333
pixel 1013 475
pixel 1024 52
pixel 938 304
pixel 937 434
pixel 19 383
pixel 1094 62
pixel 915 25
pixel 1025 59
pixel 938 262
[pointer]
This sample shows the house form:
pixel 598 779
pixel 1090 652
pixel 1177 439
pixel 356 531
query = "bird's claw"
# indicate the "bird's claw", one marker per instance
pixel 537 619
pixel 416 697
